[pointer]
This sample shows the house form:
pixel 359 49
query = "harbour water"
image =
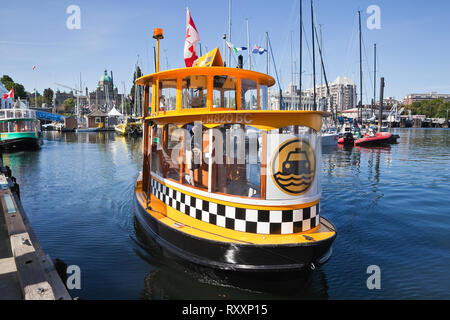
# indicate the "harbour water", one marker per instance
pixel 390 206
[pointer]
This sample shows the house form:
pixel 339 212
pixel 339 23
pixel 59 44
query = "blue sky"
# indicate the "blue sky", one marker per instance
pixel 412 44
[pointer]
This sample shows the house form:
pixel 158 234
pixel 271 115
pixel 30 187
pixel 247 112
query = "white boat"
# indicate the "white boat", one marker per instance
pixel 87 129
pixel 329 139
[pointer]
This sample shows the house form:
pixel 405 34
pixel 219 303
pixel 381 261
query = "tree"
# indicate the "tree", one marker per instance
pixel 69 104
pixel 19 90
pixel 48 96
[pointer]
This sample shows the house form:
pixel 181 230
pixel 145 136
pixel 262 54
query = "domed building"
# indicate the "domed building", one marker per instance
pixel 106 95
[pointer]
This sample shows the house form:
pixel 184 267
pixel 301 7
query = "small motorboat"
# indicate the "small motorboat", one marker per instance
pixel 346 138
pixel 380 138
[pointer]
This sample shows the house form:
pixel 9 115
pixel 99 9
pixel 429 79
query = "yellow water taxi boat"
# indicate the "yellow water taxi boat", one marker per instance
pixel 130 126
pixel 225 182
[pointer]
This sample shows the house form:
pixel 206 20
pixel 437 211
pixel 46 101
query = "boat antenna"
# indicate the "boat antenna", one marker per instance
pixel 158 35
pixel 224 37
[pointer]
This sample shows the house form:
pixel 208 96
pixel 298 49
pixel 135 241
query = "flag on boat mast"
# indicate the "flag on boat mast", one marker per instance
pixel 9 95
pixel 258 49
pixel 235 49
pixel 192 37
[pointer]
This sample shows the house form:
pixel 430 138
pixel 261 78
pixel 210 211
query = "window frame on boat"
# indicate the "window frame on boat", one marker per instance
pixel 180 75
pixel 202 176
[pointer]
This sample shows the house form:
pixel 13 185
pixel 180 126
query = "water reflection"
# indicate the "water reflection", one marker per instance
pixel 174 279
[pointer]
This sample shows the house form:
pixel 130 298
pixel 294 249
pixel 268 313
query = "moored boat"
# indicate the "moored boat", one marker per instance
pixel 19 129
pixel 224 184
pixel 378 139
pixel 130 126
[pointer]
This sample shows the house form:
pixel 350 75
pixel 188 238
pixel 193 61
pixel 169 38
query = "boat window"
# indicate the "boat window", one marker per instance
pixel 236 169
pixel 156 155
pixel 3 126
pixel 249 94
pixel 195 155
pixel 171 147
pixel 167 94
pixel 194 91
pixel 263 97
pixel 11 127
pixel 224 92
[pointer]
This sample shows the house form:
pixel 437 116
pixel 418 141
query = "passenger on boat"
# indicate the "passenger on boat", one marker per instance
pixel 194 155
pixel 162 103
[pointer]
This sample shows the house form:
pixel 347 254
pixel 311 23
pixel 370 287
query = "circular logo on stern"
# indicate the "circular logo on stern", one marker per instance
pixel 294 166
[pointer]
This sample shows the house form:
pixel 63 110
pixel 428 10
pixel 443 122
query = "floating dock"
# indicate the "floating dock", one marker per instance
pixel 26 272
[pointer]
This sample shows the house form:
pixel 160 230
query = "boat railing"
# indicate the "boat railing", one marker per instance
pixel 6 114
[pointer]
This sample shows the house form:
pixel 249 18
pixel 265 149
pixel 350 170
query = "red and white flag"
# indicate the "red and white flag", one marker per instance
pixel 192 37
pixel 9 95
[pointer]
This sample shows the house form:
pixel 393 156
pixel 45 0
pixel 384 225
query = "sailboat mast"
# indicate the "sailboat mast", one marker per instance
pixel 301 53
pixel 292 76
pixel 374 77
pixel 268 56
pixel 360 68
pixel 313 57
pixel 229 33
pixel 248 48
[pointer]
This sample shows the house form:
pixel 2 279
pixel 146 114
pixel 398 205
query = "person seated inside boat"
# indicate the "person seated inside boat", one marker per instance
pixel 194 155
pixel 162 103
pixel 197 100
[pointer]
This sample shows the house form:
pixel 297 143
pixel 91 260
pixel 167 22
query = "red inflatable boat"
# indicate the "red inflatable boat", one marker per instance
pixel 380 138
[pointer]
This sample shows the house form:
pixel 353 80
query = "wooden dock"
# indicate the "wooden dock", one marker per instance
pixel 26 272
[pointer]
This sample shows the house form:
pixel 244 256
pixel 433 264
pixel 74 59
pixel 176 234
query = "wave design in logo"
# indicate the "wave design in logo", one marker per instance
pixel 294 166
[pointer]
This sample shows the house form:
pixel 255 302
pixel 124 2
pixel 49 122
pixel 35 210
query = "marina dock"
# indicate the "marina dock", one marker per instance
pixel 26 271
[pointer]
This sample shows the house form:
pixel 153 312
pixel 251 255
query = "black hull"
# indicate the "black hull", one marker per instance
pixel 20 144
pixel 234 256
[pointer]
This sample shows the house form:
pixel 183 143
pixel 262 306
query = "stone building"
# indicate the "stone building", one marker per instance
pixel 106 95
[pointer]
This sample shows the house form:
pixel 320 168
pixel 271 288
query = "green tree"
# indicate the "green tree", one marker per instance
pixel 69 105
pixel 48 96
pixel 19 90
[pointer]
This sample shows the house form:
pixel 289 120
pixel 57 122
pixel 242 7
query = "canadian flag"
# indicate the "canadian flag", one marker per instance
pixel 9 95
pixel 192 37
